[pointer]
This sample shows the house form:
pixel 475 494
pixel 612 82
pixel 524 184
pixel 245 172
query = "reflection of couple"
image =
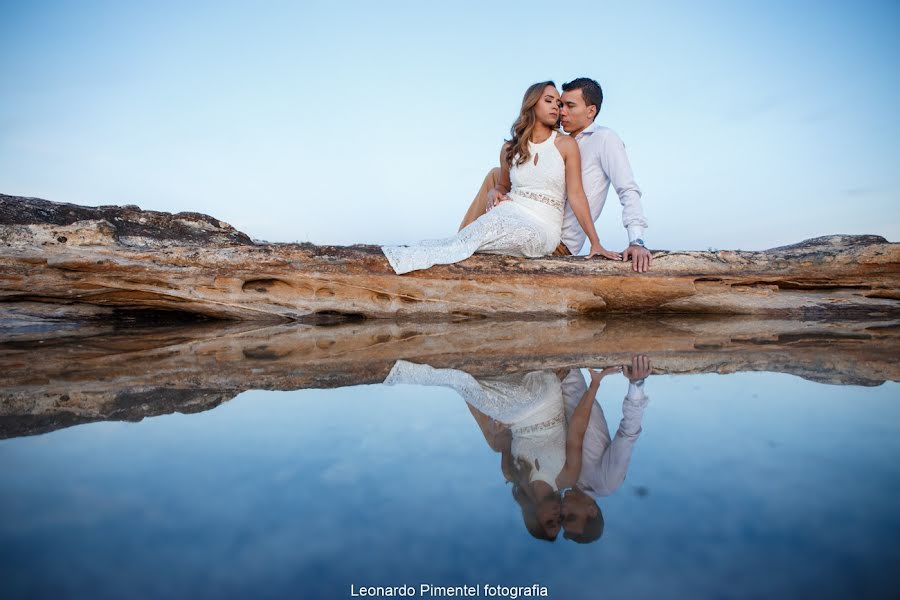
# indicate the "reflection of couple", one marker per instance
pixel 552 436
pixel 549 189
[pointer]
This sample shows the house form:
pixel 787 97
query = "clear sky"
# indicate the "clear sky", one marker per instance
pixel 748 125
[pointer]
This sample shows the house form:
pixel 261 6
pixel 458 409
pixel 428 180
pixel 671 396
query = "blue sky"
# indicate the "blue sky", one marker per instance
pixel 747 125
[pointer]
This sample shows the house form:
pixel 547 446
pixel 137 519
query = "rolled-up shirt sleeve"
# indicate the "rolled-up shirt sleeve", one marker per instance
pixel 614 161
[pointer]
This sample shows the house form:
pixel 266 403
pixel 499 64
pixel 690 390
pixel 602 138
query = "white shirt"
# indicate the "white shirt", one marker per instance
pixel 604 161
pixel 604 460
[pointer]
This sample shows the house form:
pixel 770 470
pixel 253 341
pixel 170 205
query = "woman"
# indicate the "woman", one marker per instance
pixel 540 167
pixel 541 454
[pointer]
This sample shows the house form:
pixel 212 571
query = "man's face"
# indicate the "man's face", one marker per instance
pixel 576 115
pixel 575 510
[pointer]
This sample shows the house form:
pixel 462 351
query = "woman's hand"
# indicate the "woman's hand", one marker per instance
pixel 495 426
pixel 598 250
pixel 596 376
pixel 495 197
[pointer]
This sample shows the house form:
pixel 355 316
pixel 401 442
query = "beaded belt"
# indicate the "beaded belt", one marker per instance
pixel 556 203
pixel 542 425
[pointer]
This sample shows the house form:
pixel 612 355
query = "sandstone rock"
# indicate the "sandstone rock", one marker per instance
pixel 123 257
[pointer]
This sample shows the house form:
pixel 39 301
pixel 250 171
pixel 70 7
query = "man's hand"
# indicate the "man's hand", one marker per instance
pixel 598 250
pixel 495 197
pixel 639 369
pixel 640 257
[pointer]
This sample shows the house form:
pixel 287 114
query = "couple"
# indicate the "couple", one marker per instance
pixel 522 208
pixel 552 436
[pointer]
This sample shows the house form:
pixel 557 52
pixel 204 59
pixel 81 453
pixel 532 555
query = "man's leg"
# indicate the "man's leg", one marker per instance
pixel 562 250
pixel 479 204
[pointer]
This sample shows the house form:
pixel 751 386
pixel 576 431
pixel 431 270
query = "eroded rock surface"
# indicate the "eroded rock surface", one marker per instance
pixel 123 257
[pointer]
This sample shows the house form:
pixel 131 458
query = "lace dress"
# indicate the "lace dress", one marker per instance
pixel 530 404
pixel 529 225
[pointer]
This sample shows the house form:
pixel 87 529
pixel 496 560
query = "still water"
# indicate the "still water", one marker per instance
pixel 707 484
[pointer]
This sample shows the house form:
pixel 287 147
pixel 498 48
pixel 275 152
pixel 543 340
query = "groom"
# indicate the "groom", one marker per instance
pixel 603 162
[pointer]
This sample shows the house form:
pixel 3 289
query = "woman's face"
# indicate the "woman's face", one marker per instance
pixel 547 109
pixel 548 514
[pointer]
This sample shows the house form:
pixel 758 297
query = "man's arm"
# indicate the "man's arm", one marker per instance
pixel 614 161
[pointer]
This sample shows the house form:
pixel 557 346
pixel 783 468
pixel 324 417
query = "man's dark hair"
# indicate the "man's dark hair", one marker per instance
pixel 593 529
pixel 590 90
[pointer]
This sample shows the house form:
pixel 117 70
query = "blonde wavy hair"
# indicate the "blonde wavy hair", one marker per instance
pixel 521 130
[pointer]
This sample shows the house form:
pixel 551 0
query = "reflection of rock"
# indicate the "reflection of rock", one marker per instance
pixel 125 257
pixel 130 373
pixel 58 412
pixel 21 321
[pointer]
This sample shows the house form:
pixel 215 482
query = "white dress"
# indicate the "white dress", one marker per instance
pixel 529 225
pixel 530 404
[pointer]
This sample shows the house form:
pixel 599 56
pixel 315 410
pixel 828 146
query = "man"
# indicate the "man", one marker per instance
pixel 605 459
pixel 603 162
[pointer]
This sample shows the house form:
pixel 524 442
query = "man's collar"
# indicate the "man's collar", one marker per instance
pixel 587 130
pixel 592 127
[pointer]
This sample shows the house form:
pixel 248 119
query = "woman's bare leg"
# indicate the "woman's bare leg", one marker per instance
pixel 479 204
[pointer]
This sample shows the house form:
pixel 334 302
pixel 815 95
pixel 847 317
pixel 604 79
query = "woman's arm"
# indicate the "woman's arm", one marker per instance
pixel 578 425
pixel 577 199
pixel 498 194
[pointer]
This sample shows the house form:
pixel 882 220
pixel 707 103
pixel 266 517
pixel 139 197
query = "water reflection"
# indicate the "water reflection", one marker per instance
pixel 305 493
pixel 129 374
pixel 552 436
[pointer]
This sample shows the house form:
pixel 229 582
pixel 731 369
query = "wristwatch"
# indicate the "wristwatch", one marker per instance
pixel 638 242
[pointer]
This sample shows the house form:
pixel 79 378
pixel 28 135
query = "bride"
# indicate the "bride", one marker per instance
pixel 541 454
pixel 540 167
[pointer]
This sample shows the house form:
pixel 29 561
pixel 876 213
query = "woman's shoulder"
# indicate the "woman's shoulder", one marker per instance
pixel 566 143
pixel 504 149
pixel 565 140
